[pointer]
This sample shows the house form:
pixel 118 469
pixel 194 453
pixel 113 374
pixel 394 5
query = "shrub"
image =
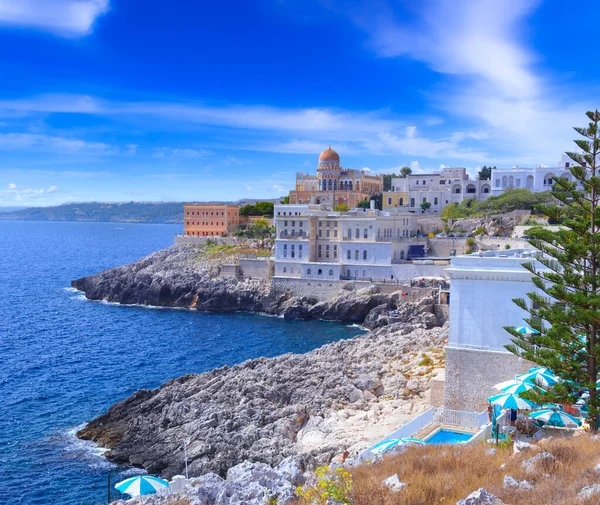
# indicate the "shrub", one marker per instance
pixel 480 231
pixel 507 246
pixel 336 485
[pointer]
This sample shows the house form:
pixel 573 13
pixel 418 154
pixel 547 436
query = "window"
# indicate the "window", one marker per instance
pixel 320 250
pixel 308 271
pixel 335 251
pixel 285 223
pixel 328 233
pixel 412 202
pixel 300 223
pixel 401 202
pixel 424 182
pixel 435 201
pixel 293 223
pixel 417 183
pixel 365 233
pixel 335 224
pixel 330 271
pixel 293 254
pixel 356 254
pixel 285 250
pixel 365 254
pixel 390 200
pixel 320 233
pixel 335 233
pixel 320 224
pixel 442 181
pixel 357 234
pixel 349 254
pixel 284 269
pixel 320 272
pixel 424 199
pixel 327 251
pixel 349 233
pixel 299 251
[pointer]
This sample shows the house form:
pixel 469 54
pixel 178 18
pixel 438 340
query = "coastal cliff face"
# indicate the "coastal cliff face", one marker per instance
pixel 187 276
pixel 342 396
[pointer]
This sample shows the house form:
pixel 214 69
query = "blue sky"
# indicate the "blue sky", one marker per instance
pixel 119 100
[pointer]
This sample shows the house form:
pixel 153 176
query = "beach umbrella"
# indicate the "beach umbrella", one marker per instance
pixel 526 330
pixel 511 401
pixel 381 447
pixel 141 485
pixel 556 418
pixel 540 369
pixel 544 379
pixel 520 387
pixel 501 385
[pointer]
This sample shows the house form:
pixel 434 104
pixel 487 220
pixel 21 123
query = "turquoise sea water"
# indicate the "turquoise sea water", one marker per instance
pixel 65 360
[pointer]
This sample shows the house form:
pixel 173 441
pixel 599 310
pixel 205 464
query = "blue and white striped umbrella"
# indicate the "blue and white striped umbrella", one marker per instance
pixel 381 447
pixel 141 485
pixel 520 387
pixel 526 330
pixel 540 369
pixel 556 418
pixel 543 379
pixel 511 401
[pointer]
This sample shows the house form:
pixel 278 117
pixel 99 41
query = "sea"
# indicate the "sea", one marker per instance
pixel 65 359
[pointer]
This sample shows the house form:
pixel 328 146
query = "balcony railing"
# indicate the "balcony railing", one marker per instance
pixel 297 236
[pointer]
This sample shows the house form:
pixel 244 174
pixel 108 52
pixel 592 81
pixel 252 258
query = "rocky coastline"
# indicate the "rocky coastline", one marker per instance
pixel 186 276
pixel 267 417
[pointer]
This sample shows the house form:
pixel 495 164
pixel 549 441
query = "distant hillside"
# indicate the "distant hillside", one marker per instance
pixel 130 212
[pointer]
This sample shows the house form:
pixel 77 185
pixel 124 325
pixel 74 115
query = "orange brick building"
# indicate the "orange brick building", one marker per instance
pixel 210 219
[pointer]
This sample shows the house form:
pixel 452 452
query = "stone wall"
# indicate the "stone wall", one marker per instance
pixel 254 268
pixel 472 373
pixel 441 247
pixel 229 270
pixel 197 240
pixel 319 289
pixel 499 243
pixel 436 390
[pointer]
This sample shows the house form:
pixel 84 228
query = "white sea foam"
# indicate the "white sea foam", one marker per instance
pixel 85 450
pixel 359 326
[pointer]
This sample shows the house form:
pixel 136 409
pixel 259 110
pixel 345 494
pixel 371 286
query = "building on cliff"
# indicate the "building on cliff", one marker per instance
pixel 315 243
pixel 536 179
pixel 451 185
pixel 482 289
pixel 334 185
pixel 210 219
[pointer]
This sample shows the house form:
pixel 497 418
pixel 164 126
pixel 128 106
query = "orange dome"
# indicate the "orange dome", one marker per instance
pixel 329 155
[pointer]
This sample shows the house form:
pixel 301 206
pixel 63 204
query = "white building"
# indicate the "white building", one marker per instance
pixel 451 185
pixel 482 289
pixel 313 243
pixel 535 179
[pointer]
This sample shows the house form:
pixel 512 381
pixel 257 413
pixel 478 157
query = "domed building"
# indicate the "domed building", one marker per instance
pixel 334 185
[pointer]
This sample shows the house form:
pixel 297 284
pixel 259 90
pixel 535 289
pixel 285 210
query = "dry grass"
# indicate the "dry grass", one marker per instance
pixel 446 474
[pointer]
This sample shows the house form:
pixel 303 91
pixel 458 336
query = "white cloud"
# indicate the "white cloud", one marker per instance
pixel 491 74
pixel 24 141
pixel 247 187
pixel 186 153
pixel 278 187
pixel 64 17
pixel 24 194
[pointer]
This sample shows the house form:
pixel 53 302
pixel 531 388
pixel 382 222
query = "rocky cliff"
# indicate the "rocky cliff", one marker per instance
pixel 188 276
pixel 342 396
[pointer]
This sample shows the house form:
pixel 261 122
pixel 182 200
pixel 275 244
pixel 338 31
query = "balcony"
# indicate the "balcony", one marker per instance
pixel 296 236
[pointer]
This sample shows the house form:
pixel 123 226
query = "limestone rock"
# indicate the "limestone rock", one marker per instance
pixel 521 485
pixel 480 497
pixel 531 464
pixel 520 446
pixel 588 492
pixel 394 483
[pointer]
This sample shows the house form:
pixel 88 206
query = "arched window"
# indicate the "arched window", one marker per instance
pixel 335 184
pixel 330 184
pixel 511 181
pixel 330 271
pixel 350 185
pixel 356 254
pixel 365 233
pixel 349 233
pixel 357 234
pixel 349 255
pixel 365 254
pixel 504 181
pixel 320 272
pixel 308 271
pixel 401 202
pixel 401 255
pixel 348 274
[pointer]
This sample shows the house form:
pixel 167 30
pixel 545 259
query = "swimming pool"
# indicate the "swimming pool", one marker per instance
pixel 444 436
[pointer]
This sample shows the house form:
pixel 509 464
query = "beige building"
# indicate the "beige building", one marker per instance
pixel 334 185
pixel 210 219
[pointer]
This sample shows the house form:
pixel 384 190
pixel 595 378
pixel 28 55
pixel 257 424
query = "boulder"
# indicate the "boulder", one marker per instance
pixel 519 447
pixel 480 497
pixel 520 485
pixel 393 483
pixel 589 492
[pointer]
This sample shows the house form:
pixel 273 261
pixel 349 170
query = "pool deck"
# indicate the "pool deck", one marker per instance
pixel 433 428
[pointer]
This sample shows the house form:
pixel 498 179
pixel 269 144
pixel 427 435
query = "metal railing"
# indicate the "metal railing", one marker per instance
pixel 456 418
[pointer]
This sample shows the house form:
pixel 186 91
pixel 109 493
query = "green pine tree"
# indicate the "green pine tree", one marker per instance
pixel 565 308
